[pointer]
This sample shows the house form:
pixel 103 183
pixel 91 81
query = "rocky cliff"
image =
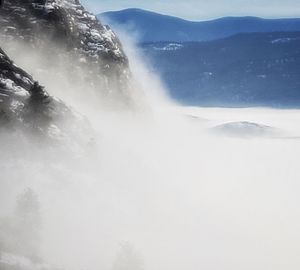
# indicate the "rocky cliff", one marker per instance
pixel 27 109
pixel 64 32
pixel 56 41
pixel 50 51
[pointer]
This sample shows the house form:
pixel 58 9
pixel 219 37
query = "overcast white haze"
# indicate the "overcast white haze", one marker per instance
pixel 203 9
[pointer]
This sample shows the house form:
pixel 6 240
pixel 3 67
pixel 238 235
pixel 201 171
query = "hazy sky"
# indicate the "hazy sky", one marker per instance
pixel 204 9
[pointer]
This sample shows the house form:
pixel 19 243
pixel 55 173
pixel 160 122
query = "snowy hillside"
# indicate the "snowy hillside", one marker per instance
pixel 64 32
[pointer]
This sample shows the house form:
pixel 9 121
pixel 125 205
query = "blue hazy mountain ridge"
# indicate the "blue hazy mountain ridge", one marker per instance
pixel 154 27
pixel 249 69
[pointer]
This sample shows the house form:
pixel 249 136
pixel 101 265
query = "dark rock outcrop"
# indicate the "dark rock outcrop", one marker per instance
pixel 18 92
pixel 78 54
pixel 25 105
pixel 63 31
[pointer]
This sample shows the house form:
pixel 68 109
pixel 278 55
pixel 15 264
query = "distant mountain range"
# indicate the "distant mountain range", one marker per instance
pixel 154 27
pixel 250 69
pixel 232 61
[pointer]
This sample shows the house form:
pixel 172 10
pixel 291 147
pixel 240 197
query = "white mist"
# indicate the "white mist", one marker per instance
pixel 160 182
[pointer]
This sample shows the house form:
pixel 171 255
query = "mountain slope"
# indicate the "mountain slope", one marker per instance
pixel 23 100
pixel 67 50
pixel 63 32
pixel 255 69
pixel 154 27
pixel 26 109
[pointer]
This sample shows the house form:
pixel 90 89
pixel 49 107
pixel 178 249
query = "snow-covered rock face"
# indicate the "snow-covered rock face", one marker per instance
pixel 64 30
pixel 15 88
pixel 79 55
pixel 62 20
pixel 38 126
pixel 26 108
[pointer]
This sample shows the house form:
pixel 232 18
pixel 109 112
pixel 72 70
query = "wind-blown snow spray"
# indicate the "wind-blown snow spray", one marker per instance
pixel 153 189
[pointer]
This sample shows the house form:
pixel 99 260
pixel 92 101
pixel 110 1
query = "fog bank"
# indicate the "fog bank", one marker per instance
pixel 153 188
